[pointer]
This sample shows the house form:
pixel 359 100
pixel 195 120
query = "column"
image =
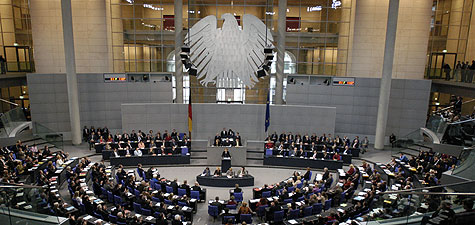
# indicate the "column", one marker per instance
pixel 71 77
pixel 281 30
pixel 385 89
pixel 178 44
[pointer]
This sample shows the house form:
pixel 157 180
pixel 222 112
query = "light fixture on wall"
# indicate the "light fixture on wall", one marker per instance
pixel 185 59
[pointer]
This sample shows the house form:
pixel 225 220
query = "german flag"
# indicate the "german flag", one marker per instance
pixel 190 117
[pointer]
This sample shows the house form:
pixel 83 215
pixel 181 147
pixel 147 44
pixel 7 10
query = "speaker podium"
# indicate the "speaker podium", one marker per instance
pixel 225 164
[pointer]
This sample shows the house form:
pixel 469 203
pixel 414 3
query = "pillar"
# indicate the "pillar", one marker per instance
pixel 281 30
pixel 178 43
pixel 71 77
pixel 385 88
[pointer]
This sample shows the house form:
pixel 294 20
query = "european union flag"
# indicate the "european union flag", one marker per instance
pixel 267 112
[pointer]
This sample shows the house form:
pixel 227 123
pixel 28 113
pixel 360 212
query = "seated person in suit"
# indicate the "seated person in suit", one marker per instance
pixel 237 140
pixel 216 203
pixel 196 187
pixel 217 140
pixel 137 152
pixel 242 172
pixel 347 150
pixel 326 155
pixel 226 143
pixel 217 172
pixel 300 153
pixel 116 153
pixel 292 151
pixel 226 153
pixel 206 172
pixel 230 172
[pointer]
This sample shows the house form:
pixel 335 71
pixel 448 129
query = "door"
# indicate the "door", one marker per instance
pixel 437 60
pixel 18 58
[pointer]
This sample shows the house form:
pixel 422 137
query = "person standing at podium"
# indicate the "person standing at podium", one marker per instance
pixel 226 153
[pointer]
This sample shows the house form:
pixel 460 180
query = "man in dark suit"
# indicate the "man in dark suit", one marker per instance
pixel 85 133
pixel 224 133
pixel 216 203
pixel 282 137
pixel 174 185
pixel 273 137
pixel 186 187
pixel 237 189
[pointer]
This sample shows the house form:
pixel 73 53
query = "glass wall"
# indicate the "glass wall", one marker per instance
pixel 316 40
pixel 15 35
pixel 449 30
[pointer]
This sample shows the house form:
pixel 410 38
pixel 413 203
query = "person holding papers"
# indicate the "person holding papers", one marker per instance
pixel 137 152
pixel 206 172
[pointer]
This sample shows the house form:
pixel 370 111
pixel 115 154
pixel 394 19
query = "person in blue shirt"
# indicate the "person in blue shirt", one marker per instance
pixel 403 158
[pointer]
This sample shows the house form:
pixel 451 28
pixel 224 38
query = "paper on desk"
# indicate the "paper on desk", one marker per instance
pixel 292 221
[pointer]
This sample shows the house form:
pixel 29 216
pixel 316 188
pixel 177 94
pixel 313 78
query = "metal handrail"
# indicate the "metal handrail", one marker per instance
pixel 8 102
pixel 449 107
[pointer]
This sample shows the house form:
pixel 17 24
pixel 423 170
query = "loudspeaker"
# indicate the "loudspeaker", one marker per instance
pixel 185 49
pixel 261 73
pixel 192 71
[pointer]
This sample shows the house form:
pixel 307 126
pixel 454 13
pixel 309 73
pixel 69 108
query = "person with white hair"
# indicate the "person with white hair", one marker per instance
pixel 177 220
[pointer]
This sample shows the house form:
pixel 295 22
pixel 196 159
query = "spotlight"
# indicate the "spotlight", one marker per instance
pixel 268 50
pixel 184 55
pixel 185 49
pixel 261 73
pixel 269 57
pixel 192 71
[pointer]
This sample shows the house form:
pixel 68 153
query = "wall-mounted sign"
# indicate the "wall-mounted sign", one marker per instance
pixel 343 81
pixel 115 77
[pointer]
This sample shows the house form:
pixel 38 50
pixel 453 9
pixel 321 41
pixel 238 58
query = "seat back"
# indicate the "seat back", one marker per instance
pixel 227 218
pixel 168 202
pixel 137 208
pixel 246 217
pixel 181 191
pixel 266 194
pixel 112 218
pixel 147 212
pixel 317 208
pixel 110 197
pixel 155 199
pixel 213 210
pixel 136 193
pixel 238 196
pixel 261 210
pixel 231 206
pixel 184 151
pixel 181 203
pixel 195 194
pixel 279 216
pixel 117 199
pixel 290 189
pixel 342 197
pixel 169 189
pixel 307 211
pixel 294 214
pixel 328 204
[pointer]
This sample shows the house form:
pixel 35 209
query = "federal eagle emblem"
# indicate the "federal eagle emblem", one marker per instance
pixel 229 55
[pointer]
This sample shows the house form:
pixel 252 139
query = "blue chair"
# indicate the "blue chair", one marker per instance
pixel 168 202
pixel 246 217
pixel 278 216
pixel 227 218
pixel 310 177
pixel 136 193
pixel 112 218
pixel 181 135
pixel 195 195
pixel 131 190
pixel 280 191
pixel 231 206
pixel 300 199
pixel 82 208
pixel 269 152
pixel 266 194
pixel 342 197
pixel 293 214
pixel 213 211
pixel 147 212
pixel 238 196
pixel 299 185
pixel 290 189
pixel 169 189
pixel 307 211
pixel 184 151
pixel 158 187
pixel 104 192
pixel 181 203
pixel 181 191
pixel 328 204
pixel 97 215
pixel 261 210
pixel 137 208
pixel 155 199
pixel 118 200
pixel 288 200
pixel 110 197
pixel 121 223
pixel 317 208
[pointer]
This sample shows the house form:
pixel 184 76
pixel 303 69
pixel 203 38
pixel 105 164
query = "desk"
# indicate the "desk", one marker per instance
pixel 303 162
pixel 212 181
pixel 150 160
pixel 238 155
